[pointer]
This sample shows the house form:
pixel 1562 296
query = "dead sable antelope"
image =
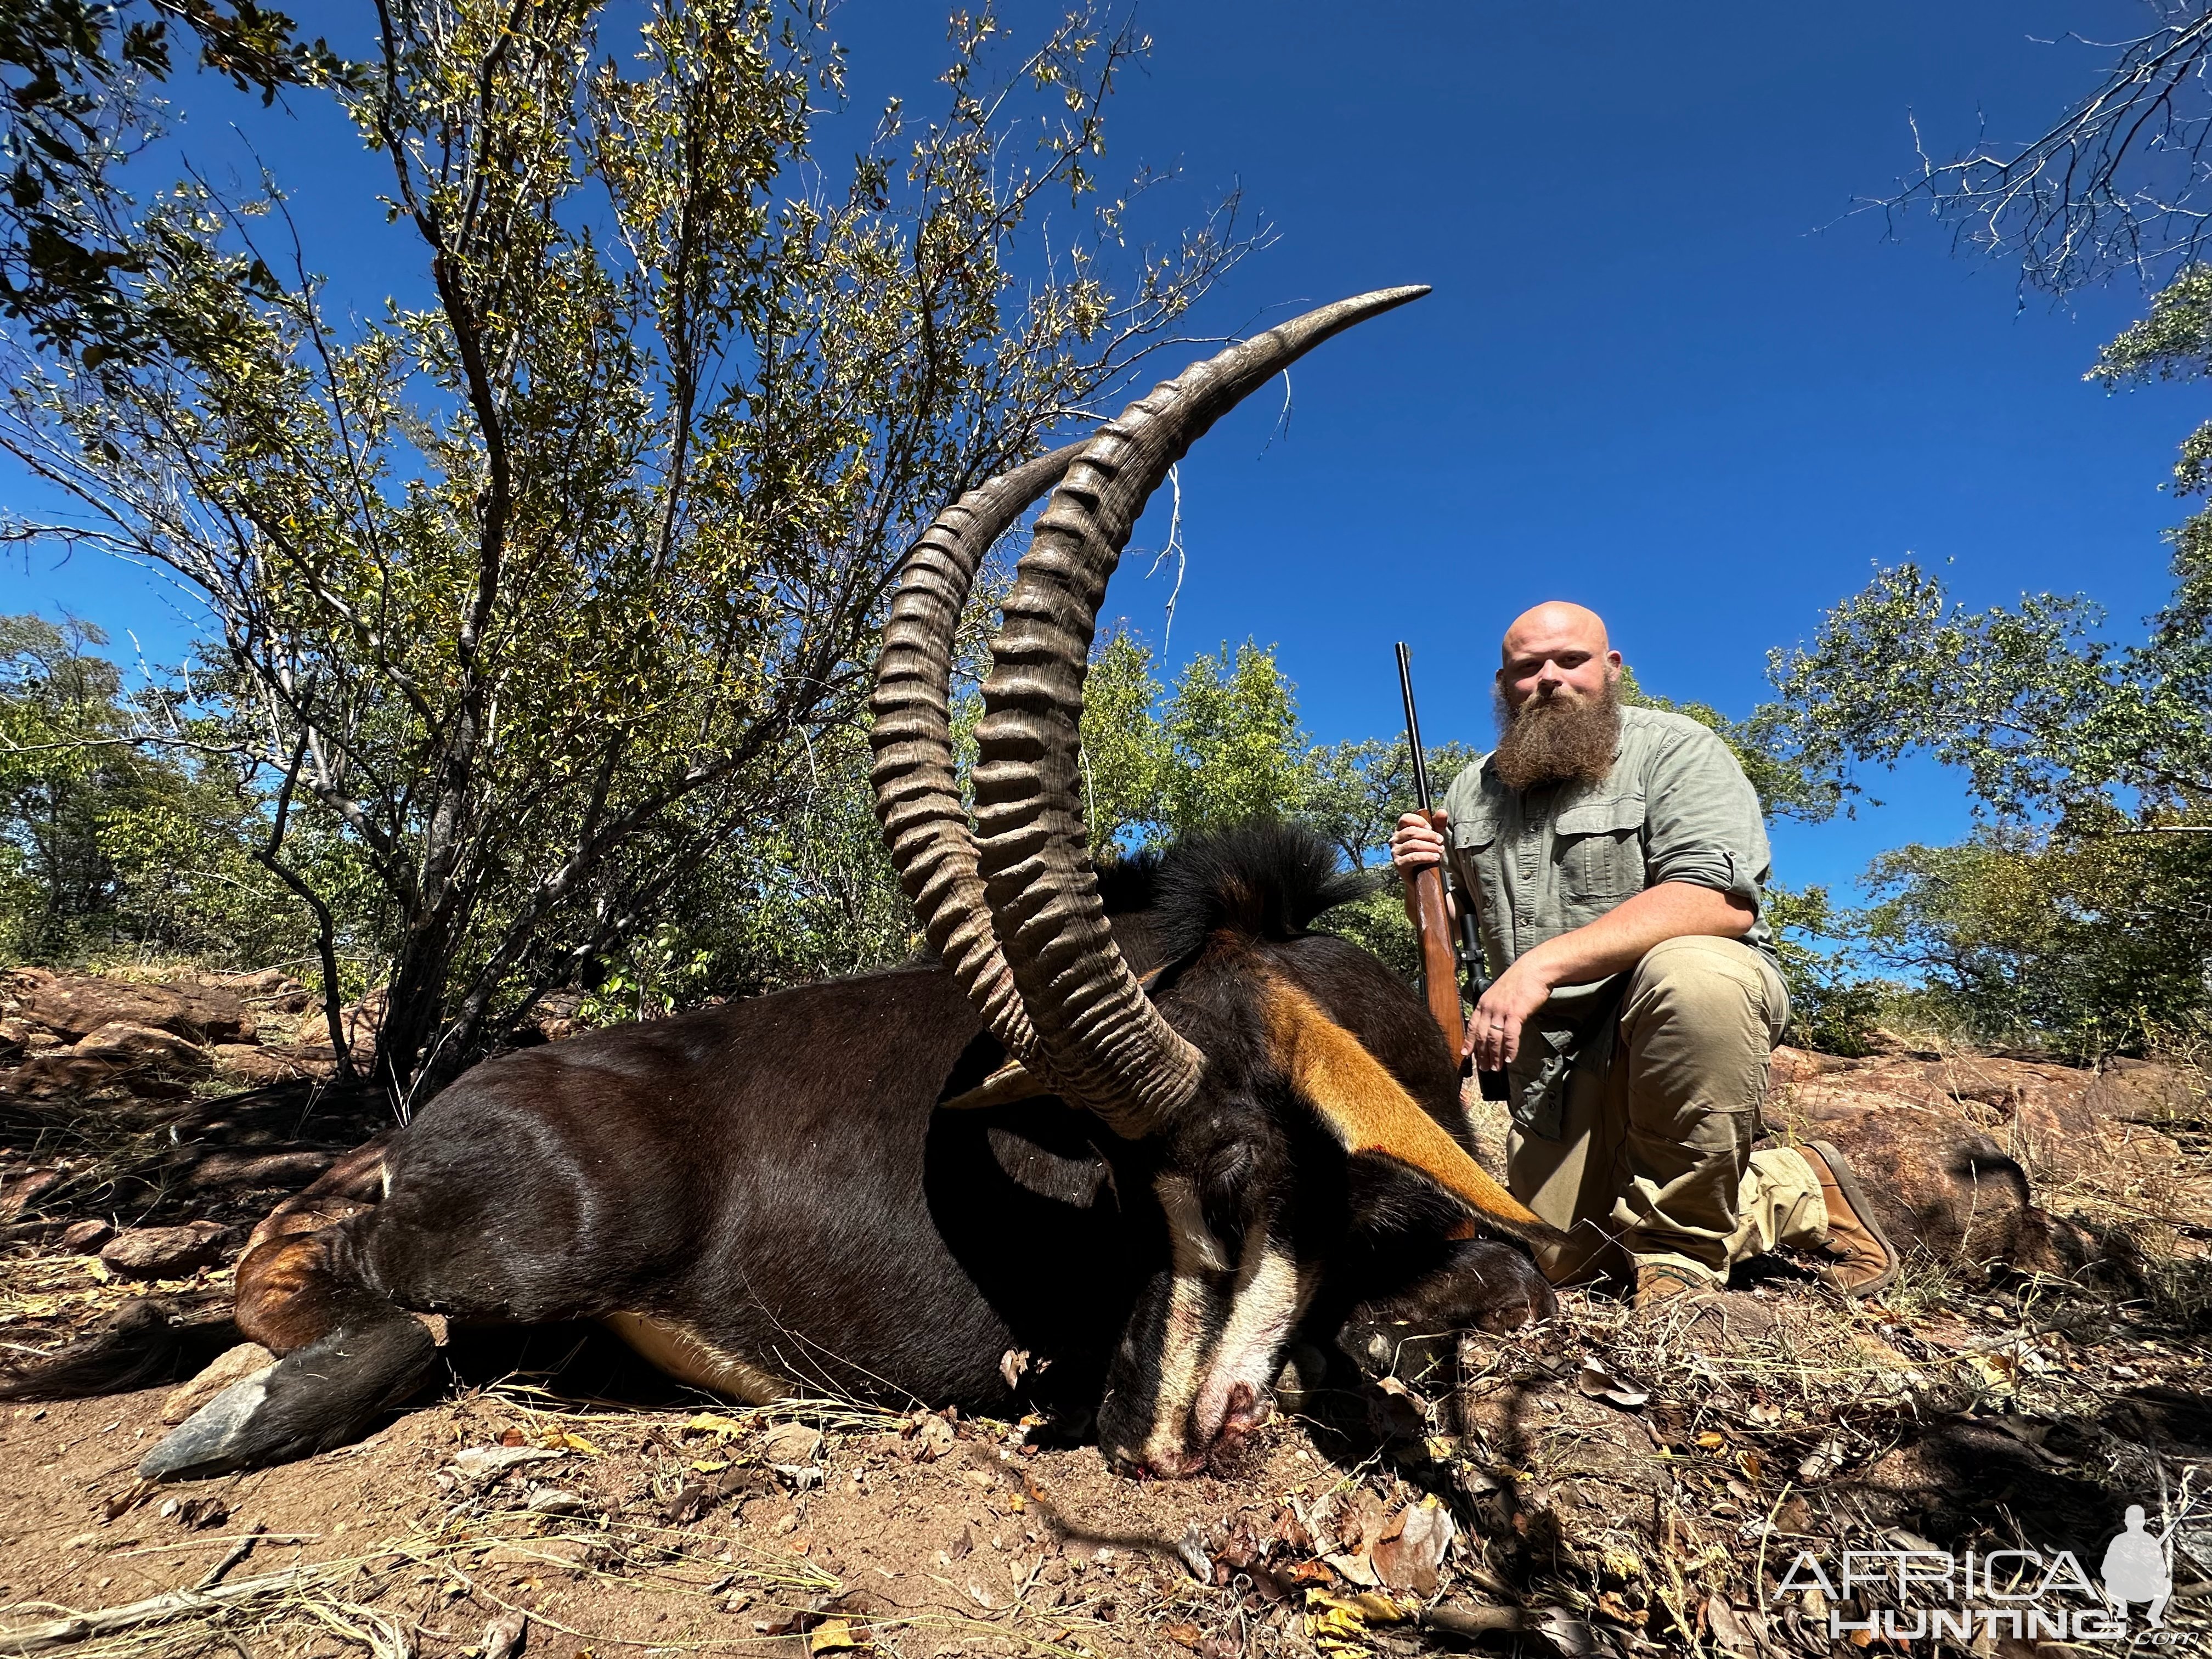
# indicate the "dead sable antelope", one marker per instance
pixel 1143 1136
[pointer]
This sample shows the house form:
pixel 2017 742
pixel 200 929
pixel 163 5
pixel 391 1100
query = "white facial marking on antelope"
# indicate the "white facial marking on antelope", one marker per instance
pixel 1219 1342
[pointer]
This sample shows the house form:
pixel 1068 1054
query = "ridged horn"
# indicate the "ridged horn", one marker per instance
pixel 925 823
pixel 1100 1035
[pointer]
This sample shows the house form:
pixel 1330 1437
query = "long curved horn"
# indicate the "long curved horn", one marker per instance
pixel 917 802
pixel 1099 1033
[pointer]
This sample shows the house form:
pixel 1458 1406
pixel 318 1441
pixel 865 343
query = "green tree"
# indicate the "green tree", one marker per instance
pixel 79 104
pixel 2073 918
pixel 1125 751
pixel 536 596
pixel 1835 1008
pixel 1356 793
pixel 1222 746
pixel 2084 943
pixel 808 894
pixel 2073 915
pixel 2040 712
pixel 62 760
pixel 107 841
pixel 1225 745
pixel 1231 725
pixel 2076 918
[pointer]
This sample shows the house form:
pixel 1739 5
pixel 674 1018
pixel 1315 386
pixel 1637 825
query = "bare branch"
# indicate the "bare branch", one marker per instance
pixel 2112 186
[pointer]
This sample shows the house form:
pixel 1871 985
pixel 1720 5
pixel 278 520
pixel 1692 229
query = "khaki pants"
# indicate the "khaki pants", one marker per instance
pixel 1653 1162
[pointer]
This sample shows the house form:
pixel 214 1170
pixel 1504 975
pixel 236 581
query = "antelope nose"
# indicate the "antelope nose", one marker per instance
pixel 1249 1407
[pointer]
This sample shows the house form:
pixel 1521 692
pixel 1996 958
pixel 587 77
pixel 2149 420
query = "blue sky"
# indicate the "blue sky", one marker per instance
pixel 1663 373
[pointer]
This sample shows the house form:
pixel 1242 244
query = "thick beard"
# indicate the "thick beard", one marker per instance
pixel 1556 740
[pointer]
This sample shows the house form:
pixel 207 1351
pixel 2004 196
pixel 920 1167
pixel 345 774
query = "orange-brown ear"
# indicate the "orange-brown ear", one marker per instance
pixel 1370 1111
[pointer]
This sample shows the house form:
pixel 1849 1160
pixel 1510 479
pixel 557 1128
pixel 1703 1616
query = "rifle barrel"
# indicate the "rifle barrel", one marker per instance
pixel 1413 728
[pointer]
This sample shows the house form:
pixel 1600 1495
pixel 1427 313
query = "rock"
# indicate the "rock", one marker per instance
pixel 165 1252
pixel 933 1439
pixel 790 1445
pixel 248 982
pixel 249 1172
pixel 233 1365
pixel 2137 1091
pixel 488 1463
pixel 28 1188
pixel 1946 1190
pixel 534 1554
pixel 77 1005
pixel 58 1073
pixel 142 1048
pixel 313 1050
pixel 1790 1065
pixel 363 1020
pixel 2055 1122
pixel 86 1237
pixel 555 1500
pixel 1575 1467
pixel 271 987
pixel 553 1017
pixel 246 1062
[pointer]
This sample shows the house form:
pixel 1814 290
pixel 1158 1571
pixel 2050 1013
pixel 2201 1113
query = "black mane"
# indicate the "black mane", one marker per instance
pixel 1261 879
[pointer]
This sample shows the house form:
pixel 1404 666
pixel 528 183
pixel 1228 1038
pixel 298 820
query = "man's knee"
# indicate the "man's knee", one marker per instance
pixel 1699 1020
pixel 1709 985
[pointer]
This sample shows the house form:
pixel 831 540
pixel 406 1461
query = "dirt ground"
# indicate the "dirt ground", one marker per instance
pixel 911 1547
pixel 1612 1484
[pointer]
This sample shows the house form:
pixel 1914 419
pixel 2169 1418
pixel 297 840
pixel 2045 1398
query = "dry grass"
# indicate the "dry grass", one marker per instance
pixel 754 1589
pixel 1658 1522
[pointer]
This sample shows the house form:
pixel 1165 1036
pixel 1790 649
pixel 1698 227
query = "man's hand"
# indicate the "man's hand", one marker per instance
pixel 1418 843
pixel 1616 940
pixel 1493 1035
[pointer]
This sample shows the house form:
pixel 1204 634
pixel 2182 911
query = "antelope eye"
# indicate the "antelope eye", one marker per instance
pixel 1224 1192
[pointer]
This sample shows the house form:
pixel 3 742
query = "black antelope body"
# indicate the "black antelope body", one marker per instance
pixel 1144 1135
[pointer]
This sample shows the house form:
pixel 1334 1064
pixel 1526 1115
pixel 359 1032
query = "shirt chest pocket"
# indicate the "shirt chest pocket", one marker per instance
pixel 1601 850
pixel 1472 832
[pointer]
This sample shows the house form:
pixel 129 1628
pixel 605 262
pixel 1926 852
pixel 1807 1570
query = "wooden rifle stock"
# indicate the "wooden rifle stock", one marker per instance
pixel 1439 967
pixel 1432 916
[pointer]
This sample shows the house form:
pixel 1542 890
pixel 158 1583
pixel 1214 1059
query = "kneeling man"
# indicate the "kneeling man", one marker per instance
pixel 1617 859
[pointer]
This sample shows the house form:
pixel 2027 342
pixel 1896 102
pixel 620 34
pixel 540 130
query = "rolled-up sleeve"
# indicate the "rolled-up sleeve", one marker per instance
pixel 1703 822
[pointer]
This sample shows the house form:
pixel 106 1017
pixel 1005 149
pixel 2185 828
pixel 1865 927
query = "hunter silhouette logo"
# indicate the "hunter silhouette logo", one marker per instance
pixel 1978 1596
pixel 2138 1567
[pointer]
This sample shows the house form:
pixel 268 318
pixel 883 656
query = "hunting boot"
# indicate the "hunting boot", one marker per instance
pixel 1858 1259
pixel 1660 1282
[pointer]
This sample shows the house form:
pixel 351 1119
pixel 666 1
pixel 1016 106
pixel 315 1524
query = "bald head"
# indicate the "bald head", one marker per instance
pixel 1545 629
pixel 1557 651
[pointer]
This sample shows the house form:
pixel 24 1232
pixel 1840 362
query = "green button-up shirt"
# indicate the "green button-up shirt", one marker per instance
pixel 1676 806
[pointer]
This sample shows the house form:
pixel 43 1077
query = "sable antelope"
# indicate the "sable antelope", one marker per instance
pixel 1143 1134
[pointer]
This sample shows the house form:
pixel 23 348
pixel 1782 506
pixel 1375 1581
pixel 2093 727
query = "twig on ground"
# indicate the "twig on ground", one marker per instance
pixel 239 1551
pixel 170 1604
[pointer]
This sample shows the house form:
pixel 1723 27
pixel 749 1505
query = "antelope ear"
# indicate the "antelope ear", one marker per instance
pixel 1370 1111
pixel 1013 1082
pixel 1009 1083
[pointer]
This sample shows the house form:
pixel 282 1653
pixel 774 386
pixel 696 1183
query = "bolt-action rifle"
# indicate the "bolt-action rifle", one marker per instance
pixel 1445 950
